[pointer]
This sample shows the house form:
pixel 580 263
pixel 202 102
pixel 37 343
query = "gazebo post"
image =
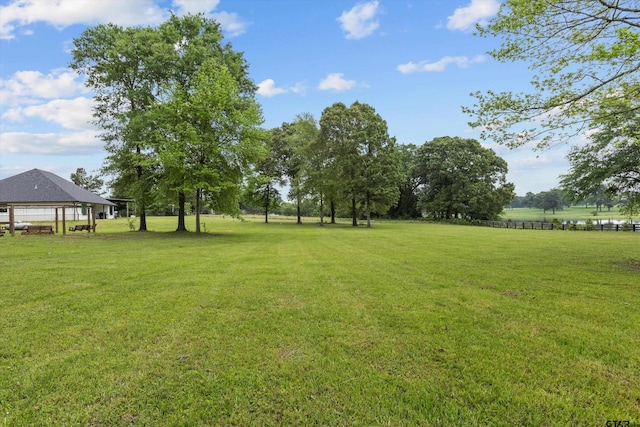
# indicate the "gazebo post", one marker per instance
pixel 64 221
pixel 12 220
pixel 57 228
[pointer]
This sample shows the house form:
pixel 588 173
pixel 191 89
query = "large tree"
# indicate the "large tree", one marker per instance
pixel 155 108
pixel 206 136
pixel 123 67
pixel 209 131
pixel 363 157
pixel 461 179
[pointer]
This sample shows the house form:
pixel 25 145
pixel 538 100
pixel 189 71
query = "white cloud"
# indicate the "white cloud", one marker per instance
pixel 268 88
pixel 68 113
pixel 23 86
pixel 230 23
pixel 464 18
pixel 440 65
pixel 194 6
pixel 76 143
pixel 335 82
pixel 359 22
pixel 62 13
pixel 299 88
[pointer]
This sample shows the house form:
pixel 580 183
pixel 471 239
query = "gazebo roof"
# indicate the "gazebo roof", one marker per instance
pixel 41 187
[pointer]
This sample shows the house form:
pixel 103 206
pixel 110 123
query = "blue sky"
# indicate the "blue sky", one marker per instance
pixel 416 62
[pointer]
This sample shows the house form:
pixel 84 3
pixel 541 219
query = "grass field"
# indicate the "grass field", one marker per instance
pixel 573 213
pixel 250 324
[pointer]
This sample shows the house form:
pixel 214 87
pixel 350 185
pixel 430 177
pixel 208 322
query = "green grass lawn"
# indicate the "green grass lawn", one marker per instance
pixel 249 324
pixel 573 213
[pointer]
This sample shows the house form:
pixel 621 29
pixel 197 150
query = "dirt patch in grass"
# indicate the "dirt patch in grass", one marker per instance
pixel 633 265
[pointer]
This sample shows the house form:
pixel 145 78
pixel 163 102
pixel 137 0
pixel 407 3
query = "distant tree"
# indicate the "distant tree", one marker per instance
pixel 550 200
pixel 269 172
pixel 304 133
pixel 407 205
pixel 461 179
pixel 529 199
pixel 261 193
pixel 86 181
pixel 322 181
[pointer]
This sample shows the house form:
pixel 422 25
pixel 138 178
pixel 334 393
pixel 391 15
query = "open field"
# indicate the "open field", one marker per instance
pixel 403 324
pixel 573 213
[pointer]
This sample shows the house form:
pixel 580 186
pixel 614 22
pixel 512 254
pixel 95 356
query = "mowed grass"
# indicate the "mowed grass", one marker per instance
pixel 250 324
pixel 573 213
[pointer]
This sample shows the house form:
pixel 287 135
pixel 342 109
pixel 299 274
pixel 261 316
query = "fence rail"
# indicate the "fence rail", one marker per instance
pixel 537 225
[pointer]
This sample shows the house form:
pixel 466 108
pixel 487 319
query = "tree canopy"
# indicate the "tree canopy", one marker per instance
pixel 581 53
pixel 176 107
pixel 89 182
pixel 584 56
pixel 361 156
pixel 461 179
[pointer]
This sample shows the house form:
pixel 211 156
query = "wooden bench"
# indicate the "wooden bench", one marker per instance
pixel 82 227
pixel 38 229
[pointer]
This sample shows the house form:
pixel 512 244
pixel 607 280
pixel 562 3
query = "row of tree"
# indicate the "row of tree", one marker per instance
pixel 181 125
pixel 348 163
pixel 557 199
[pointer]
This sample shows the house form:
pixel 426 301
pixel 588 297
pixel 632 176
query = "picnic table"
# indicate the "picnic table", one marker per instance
pixel 82 227
pixel 38 229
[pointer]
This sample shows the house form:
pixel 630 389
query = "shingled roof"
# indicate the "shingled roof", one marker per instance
pixel 41 187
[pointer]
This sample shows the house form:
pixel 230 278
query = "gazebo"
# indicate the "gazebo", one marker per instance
pixel 38 189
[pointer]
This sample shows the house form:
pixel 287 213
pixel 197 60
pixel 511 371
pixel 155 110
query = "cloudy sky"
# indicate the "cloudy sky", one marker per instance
pixel 416 62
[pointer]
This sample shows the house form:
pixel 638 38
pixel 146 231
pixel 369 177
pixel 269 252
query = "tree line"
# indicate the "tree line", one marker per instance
pixel 181 126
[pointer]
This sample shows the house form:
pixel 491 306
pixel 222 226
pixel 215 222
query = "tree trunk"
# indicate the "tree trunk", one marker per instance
pixel 354 212
pixel 298 209
pixel 368 212
pixel 181 213
pixel 143 208
pixel 333 212
pixel 143 217
pixel 198 194
pixel 266 205
pixel 321 210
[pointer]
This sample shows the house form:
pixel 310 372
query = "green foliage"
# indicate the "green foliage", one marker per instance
pixel 361 157
pixel 123 67
pixel 176 108
pixel 461 179
pixel 581 53
pixel 609 164
pixel 86 181
pixel 302 169
pixel 407 205
pixel 500 328
pixel 549 200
